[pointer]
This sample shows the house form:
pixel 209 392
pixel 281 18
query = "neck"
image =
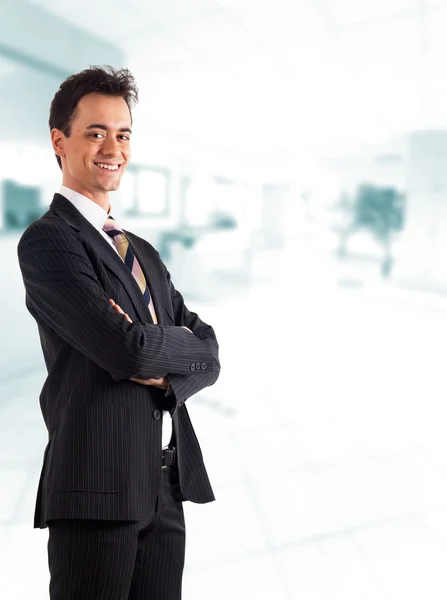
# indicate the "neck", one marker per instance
pixel 99 197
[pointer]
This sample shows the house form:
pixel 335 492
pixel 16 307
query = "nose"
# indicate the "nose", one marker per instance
pixel 110 147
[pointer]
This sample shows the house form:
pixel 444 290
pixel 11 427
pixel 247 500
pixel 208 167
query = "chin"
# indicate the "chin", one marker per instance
pixel 109 187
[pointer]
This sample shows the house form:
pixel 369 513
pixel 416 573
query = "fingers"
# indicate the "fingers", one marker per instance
pixel 145 381
pixel 160 383
pixel 118 308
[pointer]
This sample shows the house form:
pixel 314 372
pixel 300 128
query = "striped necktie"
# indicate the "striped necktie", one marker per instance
pixel 130 260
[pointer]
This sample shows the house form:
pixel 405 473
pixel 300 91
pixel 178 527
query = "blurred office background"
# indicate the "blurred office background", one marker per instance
pixel 290 165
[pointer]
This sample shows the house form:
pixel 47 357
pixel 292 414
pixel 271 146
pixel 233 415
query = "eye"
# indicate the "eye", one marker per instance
pixel 125 138
pixel 94 135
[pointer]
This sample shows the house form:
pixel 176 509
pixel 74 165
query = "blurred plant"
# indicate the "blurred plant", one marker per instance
pixel 378 210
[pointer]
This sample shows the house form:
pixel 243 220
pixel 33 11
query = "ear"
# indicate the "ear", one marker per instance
pixel 58 140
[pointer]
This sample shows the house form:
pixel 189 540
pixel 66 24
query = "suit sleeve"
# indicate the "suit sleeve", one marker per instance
pixel 182 387
pixel 63 291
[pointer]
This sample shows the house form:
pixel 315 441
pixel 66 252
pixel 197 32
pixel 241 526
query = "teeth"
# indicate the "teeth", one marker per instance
pixel 109 167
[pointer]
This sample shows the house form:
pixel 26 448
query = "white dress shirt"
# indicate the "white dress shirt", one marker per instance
pixel 96 215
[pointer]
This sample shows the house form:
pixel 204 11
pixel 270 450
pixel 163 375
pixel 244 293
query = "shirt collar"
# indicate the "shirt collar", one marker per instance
pixel 91 211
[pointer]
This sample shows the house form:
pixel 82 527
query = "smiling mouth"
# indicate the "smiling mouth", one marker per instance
pixel 107 167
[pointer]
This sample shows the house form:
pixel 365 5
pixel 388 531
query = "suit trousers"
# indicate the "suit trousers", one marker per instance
pixel 121 560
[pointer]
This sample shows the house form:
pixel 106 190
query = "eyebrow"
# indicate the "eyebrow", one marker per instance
pixel 106 128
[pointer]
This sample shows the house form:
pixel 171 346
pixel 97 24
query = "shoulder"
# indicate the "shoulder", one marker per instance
pixel 49 229
pixel 143 245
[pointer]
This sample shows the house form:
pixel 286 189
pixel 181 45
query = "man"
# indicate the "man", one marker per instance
pixel 123 354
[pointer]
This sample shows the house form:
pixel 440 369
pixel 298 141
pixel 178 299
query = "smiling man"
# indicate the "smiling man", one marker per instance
pixel 123 354
pixel 92 145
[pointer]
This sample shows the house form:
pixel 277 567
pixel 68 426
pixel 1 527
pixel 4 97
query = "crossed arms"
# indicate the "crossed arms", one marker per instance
pixel 63 291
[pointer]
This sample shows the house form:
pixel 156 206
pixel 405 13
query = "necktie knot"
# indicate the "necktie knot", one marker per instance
pixel 112 228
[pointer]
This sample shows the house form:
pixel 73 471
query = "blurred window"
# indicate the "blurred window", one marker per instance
pixel 145 190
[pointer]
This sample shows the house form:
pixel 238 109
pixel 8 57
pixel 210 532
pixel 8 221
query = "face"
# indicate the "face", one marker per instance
pixel 95 154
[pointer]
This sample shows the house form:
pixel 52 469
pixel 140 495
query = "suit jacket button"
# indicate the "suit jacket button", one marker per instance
pixel 193 367
pixel 198 366
pixel 203 366
pixel 156 414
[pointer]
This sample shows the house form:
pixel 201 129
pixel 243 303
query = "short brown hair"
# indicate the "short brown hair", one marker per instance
pixel 102 80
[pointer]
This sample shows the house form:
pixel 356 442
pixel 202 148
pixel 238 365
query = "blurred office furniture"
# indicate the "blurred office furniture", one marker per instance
pixel 219 219
pixel 168 239
pixel 207 250
pixel 197 254
pixel 21 205
pixel 199 225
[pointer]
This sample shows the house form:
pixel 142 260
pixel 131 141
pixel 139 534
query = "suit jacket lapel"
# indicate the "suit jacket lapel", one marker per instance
pixel 65 209
pixel 152 273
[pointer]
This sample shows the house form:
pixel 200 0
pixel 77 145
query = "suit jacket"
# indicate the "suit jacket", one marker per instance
pixel 103 457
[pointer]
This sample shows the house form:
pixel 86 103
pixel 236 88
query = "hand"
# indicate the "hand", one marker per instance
pixel 160 383
pixel 119 309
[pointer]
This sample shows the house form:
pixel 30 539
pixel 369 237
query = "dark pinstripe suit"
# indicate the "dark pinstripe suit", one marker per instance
pixel 103 458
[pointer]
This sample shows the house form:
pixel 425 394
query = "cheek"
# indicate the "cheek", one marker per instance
pixel 73 153
pixel 79 151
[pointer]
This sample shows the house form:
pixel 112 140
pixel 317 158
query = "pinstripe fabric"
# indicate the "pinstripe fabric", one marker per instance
pixel 103 456
pixel 116 560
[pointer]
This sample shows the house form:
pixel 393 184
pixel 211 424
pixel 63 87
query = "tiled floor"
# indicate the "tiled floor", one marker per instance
pixel 325 443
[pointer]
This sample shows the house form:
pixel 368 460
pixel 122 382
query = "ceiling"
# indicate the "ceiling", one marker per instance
pixel 317 75
pixel 7 66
